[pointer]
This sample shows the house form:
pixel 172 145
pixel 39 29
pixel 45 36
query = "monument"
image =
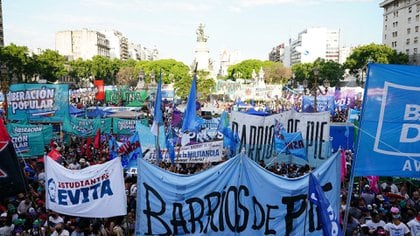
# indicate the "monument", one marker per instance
pixel 202 52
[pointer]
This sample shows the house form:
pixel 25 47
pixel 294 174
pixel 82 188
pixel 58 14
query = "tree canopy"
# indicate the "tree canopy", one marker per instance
pixel 274 72
pixel 378 53
pixel 330 70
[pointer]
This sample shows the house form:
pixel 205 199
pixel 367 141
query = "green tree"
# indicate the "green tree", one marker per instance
pixel 378 53
pixel 205 84
pixel 19 63
pixel 302 71
pixel 51 65
pixel 80 69
pixel 243 70
pixel 172 70
pixel 182 87
pixel 277 73
pixel 330 70
pixel 126 76
pixel 102 68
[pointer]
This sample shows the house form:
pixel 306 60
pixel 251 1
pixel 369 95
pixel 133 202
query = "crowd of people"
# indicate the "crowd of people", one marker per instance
pixel 376 207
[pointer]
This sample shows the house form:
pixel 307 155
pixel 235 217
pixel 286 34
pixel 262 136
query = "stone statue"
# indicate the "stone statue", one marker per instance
pixel 201 37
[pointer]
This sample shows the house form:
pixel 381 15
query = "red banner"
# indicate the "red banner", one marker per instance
pixel 99 85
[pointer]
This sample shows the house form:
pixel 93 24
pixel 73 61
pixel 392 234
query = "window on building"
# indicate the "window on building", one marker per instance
pixel 409 20
pixel 386 27
pixel 394 44
pixel 415 50
pixel 408 30
pixel 386 18
pixel 416 29
pixel 395 14
pixel 415 40
pixel 395 34
pixel 407 41
pixel 407 51
pixel 417 18
pixel 410 9
pixel 395 24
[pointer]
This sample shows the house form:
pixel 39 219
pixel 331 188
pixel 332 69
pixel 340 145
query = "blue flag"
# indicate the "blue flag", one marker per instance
pixel 330 225
pixel 289 142
pixel 170 144
pixel 230 139
pixel 113 148
pixel 130 151
pixel 157 113
pixel 190 121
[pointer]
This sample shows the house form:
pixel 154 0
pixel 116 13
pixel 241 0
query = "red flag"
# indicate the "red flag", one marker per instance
pixel 54 154
pixel 88 152
pixel 97 141
pixel 4 136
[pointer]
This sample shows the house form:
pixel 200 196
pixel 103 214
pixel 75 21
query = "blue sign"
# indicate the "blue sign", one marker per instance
pixel 342 135
pixel 38 102
pixel 389 137
pixel 323 103
pixel 237 197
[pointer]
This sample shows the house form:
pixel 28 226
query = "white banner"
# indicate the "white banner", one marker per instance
pixel 257 132
pixel 194 153
pixel 86 192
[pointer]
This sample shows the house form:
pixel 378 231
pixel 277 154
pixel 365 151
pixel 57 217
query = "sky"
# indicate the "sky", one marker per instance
pixel 253 27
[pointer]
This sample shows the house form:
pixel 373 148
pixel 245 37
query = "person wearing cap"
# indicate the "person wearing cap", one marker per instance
pixel 396 227
pixel 414 225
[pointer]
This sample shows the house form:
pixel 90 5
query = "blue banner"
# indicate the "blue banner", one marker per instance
pixel 389 141
pixel 38 102
pixel 323 103
pixel 237 197
pixel 46 131
pixel 342 135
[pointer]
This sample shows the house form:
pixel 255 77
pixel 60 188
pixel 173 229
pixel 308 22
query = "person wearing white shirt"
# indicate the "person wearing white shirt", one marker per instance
pixel 414 225
pixel 375 222
pixel 60 231
pixel 390 183
pixel 396 228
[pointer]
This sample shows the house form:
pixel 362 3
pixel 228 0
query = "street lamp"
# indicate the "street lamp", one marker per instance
pixel 315 89
pixel 4 87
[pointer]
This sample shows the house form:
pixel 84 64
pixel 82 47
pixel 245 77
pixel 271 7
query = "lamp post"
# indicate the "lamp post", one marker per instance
pixel 315 89
pixel 4 87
